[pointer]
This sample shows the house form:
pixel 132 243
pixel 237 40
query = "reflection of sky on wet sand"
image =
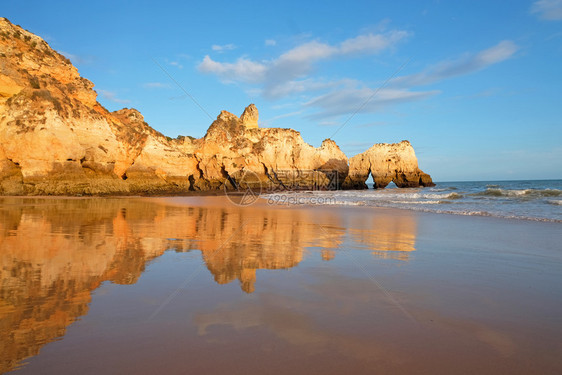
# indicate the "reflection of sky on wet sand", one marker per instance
pixel 285 294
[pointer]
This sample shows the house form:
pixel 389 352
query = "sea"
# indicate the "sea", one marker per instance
pixel 539 200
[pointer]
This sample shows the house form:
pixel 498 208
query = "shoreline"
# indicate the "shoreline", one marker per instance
pixel 482 291
pixel 262 202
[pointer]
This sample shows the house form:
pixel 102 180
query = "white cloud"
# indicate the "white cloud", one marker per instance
pixel 329 123
pixel 176 64
pixel 548 9
pixel 156 85
pixel 242 70
pixel 270 42
pixel 498 53
pixel 224 47
pixel 307 53
pixel 452 68
pixel 287 73
pixel 283 89
pixel 291 74
pixel 352 96
pixel 371 43
pixel 349 96
pixel 356 97
pixel 112 96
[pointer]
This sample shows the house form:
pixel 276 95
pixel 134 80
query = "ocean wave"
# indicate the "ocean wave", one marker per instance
pixel 551 192
pixel 510 202
pixel 416 202
pixel 494 192
pixel 436 189
pixel 441 196
pixel 412 197
pixel 480 213
pixel 454 196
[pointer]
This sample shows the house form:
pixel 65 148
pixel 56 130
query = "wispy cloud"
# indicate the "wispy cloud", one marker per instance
pixel 224 47
pixel 548 9
pixel 112 96
pixel 287 73
pixel 242 70
pixel 329 123
pixel 176 64
pixel 350 96
pixel 357 97
pixel 269 122
pixel 371 43
pixel 284 89
pixel 292 72
pixel 270 42
pixel 452 68
pixel 156 85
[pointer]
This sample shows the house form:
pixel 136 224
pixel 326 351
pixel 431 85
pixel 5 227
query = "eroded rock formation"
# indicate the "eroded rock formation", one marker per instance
pixel 55 138
pixel 395 162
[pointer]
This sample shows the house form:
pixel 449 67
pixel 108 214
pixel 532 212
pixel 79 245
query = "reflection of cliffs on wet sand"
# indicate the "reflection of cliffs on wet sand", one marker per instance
pixel 388 237
pixel 55 252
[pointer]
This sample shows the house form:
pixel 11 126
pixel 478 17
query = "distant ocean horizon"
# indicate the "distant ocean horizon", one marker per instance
pixel 539 200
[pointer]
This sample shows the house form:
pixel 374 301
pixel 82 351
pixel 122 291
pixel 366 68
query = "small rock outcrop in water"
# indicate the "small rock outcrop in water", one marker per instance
pixel 395 162
pixel 55 138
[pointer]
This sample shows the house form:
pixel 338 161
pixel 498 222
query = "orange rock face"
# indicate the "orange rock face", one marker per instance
pixel 56 139
pixel 395 162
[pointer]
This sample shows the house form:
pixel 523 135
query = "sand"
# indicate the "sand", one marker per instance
pixel 199 285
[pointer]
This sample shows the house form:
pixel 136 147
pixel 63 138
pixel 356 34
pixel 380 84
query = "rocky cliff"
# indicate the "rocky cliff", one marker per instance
pixel 395 162
pixel 55 138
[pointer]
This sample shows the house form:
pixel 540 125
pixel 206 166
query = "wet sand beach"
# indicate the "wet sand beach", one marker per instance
pixel 199 285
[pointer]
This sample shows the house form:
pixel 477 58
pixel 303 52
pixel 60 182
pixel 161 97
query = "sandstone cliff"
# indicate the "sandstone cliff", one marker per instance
pixel 395 162
pixel 55 138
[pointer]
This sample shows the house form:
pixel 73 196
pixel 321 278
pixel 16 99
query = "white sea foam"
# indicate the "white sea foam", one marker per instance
pixel 517 200
pixel 417 202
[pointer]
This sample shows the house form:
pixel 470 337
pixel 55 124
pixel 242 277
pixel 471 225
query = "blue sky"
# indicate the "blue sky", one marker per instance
pixel 474 85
